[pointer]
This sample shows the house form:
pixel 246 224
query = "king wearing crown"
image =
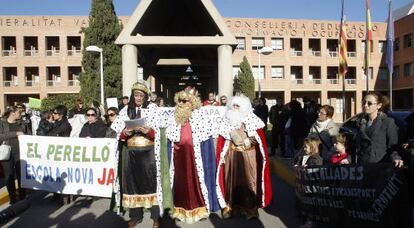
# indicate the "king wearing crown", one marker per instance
pixel 192 159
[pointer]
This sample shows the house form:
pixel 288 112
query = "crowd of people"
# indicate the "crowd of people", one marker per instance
pixel 231 172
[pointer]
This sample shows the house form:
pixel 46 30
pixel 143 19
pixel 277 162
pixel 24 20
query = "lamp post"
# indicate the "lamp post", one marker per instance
pixel 264 51
pixel 93 48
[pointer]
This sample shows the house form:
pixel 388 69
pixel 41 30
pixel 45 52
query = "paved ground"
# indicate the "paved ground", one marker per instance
pixel 85 212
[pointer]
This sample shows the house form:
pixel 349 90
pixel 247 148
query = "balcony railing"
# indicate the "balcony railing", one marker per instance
pixel 350 81
pixel 30 83
pixel 9 52
pixel 351 54
pixel 333 81
pixel 297 81
pixel 32 52
pixel 52 52
pixel 73 82
pixel 315 81
pixel 10 83
pixel 295 53
pixel 316 53
pixel 52 82
pixel 333 53
pixel 74 52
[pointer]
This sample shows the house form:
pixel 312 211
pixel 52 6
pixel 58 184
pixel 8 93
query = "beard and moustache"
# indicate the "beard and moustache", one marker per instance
pixel 235 118
pixel 183 113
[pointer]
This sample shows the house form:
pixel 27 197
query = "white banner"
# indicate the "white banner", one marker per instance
pixel 78 166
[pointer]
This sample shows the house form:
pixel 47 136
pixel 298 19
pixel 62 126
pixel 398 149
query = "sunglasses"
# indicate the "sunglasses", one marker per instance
pixel 369 103
pixel 111 114
pixel 90 114
pixel 55 113
pixel 183 101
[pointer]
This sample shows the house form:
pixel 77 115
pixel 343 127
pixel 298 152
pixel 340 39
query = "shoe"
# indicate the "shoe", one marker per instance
pixel 133 222
pixel 156 224
pixel 226 213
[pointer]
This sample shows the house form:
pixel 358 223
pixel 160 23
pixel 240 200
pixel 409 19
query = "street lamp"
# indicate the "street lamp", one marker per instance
pixel 93 48
pixel 264 51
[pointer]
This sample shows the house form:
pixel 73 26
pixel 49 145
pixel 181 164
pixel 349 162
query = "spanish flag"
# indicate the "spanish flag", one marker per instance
pixel 368 37
pixel 343 50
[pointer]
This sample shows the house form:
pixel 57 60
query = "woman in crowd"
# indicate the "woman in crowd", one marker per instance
pixel 325 129
pixel 377 137
pixel 10 129
pixel 78 109
pixel 111 115
pixel 94 127
pixel 45 124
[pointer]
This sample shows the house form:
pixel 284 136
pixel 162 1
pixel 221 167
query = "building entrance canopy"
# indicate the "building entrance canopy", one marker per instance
pixel 165 37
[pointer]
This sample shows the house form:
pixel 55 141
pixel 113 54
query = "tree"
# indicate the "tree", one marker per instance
pixel 49 103
pixel 102 31
pixel 246 80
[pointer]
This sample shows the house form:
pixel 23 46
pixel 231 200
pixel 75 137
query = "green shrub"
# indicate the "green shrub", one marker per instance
pixel 49 103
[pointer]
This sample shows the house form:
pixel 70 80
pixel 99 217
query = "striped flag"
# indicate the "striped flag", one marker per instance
pixel 390 40
pixel 343 50
pixel 368 37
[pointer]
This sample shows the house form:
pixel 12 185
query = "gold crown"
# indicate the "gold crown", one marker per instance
pixel 191 90
pixel 139 86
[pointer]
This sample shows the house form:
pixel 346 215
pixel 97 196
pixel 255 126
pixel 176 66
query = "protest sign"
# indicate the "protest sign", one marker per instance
pixel 76 166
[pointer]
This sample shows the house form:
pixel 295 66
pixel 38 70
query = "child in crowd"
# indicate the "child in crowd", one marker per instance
pixel 45 124
pixel 340 155
pixel 310 154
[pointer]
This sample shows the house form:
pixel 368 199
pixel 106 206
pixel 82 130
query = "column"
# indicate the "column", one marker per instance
pixel 324 97
pixel 225 69
pixel 358 101
pixel 129 67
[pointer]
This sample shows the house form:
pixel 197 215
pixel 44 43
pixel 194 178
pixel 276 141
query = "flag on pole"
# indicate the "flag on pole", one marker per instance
pixel 390 40
pixel 368 37
pixel 343 50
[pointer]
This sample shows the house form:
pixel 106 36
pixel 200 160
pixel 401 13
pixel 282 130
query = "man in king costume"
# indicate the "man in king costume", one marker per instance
pixel 140 184
pixel 243 177
pixel 192 159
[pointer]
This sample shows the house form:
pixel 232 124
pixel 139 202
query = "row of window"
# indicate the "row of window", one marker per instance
pixel 408 41
pixel 278 72
pixel 30 45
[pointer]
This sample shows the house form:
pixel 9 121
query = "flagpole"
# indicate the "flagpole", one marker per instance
pixel 390 49
pixel 368 37
pixel 342 56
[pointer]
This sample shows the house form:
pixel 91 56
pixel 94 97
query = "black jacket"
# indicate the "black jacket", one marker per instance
pixel 377 143
pixel 61 128
pixel 44 127
pixel 315 159
pixel 93 130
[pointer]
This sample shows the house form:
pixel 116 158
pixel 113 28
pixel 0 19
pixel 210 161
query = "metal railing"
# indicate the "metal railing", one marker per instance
pixel 10 83
pixel 297 81
pixel 351 54
pixel 9 52
pixel 295 53
pixel 30 52
pixel 73 82
pixel 52 82
pixel 333 81
pixel 333 53
pixel 350 81
pixel 52 52
pixel 315 81
pixel 74 52
pixel 30 83
pixel 316 53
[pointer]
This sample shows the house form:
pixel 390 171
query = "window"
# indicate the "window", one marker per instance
pixel 241 43
pixel 363 46
pixel 408 40
pixel 261 75
pixel 278 72
pixel 382 47
pixel 257 43
pixel 339 105
pixel 383 73
pixel 370 72
pixel 408 69
pixel 277 43
pixel 396 72
pixel 397 44
pixel 236 70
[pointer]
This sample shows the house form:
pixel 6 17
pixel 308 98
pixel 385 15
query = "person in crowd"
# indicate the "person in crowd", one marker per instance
pixel 99 109
pixel 377 136
pixel 153 98
pixel 61 128
pixel 310 156
pixel 340 155
pixel 45 124
pixel 325 129
pixel 94 127
pixel 223 100
pixel 277 117
pixel 160 102
pixel 78 109
pixel 124 102
pixel 295 131
pixel 261 110
pixel 311 110
pixel 25 119
pixel 192 159
pixel 243 169
pixel 211 100
pixel 111 115
pixel 139 181
pixel 10 130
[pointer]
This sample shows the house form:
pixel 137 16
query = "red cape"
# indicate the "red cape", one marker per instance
pixel 265 181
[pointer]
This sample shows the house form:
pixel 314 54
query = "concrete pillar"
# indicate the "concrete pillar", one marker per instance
pixel 358 101
pixel 324 97
pixel 129 67
pixel 225 70
pixel 288 96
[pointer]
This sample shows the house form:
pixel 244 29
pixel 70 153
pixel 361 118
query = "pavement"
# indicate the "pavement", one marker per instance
pixel 89 212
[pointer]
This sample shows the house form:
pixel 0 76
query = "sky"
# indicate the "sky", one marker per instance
pixel 288 9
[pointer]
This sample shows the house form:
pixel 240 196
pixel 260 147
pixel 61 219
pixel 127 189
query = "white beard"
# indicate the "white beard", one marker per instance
pixel 235 118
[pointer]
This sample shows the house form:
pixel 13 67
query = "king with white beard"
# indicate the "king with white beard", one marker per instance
pixel 243 177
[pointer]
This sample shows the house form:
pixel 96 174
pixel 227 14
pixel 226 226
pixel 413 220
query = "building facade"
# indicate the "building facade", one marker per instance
pixel 41 56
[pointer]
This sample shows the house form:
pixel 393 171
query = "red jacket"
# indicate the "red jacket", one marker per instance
pixel 337 158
